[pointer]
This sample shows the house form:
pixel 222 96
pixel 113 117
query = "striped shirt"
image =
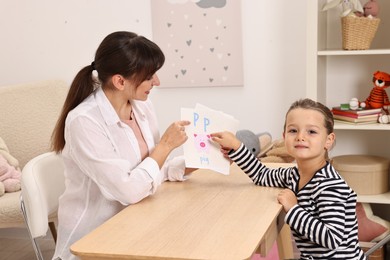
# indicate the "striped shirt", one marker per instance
pixel 323 223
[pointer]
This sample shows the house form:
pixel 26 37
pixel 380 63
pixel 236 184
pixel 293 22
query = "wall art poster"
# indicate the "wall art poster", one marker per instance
pixel 202 42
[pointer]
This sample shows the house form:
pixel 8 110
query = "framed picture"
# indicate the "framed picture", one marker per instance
pixel 202 42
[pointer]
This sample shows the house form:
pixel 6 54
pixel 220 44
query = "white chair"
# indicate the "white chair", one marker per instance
pixel 43 183
pixel 28 114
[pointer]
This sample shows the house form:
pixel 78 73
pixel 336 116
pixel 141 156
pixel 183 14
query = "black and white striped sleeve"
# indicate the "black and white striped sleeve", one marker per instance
pixel 258 172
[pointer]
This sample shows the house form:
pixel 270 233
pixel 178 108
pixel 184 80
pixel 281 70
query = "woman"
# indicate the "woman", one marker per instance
pixel 108 136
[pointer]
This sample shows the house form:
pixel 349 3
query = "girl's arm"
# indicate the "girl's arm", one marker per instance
pixel 329 227
pixel 258 172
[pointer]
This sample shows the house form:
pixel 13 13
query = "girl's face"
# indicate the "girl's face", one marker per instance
pixel 142 91
pixel 306 136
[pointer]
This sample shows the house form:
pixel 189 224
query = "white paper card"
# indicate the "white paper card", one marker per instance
pixel 199 150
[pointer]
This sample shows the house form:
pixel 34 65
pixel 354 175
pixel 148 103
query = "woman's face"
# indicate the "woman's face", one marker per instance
pixel 142 91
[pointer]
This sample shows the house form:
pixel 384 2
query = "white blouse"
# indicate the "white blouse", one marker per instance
pixel 103 167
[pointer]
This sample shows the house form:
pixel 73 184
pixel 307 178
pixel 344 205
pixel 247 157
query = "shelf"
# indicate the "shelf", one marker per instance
pixel 357 52
pixel 347 126
pixel 383 198
pixel 334 75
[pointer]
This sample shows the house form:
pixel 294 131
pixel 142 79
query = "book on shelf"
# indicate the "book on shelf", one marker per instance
pixel 354 115
pixel 361 111
pixel 354 123
pixel 366 118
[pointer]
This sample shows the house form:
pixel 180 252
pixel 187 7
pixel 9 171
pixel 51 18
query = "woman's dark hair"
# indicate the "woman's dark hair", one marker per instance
pixel 125 53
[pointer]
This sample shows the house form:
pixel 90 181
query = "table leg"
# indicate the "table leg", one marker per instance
pixel 285 246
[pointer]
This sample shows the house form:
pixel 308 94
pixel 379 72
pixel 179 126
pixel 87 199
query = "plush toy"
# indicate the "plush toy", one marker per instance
pixel 6 154
pixel 354 104
pixel 384 119
pixel 257 144
pixel 10 174
pixel 371 8
pixel 349 6
pixel 2 189
pixel 262 146
pixel 378 97
pixel 278 153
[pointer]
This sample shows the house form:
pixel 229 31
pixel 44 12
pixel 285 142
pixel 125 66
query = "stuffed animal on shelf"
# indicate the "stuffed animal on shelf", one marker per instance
pixel 378 97
pixel 371 8
pixel 384 119
pixel 349 6
pixel 354 104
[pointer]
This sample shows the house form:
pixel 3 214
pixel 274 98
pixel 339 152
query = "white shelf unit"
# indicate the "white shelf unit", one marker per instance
pixel 346 126
pixel 334 75
pixel 383 198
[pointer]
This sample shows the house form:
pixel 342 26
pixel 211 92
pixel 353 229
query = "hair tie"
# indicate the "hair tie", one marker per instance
pixel 93 65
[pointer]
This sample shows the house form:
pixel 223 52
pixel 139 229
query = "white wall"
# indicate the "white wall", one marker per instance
pixel 47 39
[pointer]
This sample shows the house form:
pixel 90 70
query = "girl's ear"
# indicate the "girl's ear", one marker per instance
pixel 330 141
pixel 118 82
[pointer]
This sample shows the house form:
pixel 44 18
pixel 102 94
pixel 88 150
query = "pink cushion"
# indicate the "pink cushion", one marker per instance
pixel 371 228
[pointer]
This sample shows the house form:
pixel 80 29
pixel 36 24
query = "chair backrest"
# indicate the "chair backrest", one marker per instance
pixel 28 114
pixel 43 182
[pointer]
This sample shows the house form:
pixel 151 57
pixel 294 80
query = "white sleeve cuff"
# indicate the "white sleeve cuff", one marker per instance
pixel 176 168
pixel 151 167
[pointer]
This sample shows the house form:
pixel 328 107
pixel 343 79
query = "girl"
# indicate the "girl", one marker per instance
pixel 108 136
pixel 319 205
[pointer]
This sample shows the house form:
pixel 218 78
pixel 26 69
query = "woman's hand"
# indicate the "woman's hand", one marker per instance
pixel 175 135
pixel 288 199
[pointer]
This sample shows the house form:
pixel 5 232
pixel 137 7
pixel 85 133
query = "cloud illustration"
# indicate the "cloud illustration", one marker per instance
pixel 181 1
pixel 211 3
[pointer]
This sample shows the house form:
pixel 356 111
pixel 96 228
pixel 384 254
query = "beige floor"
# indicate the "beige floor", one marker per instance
pixel 16 245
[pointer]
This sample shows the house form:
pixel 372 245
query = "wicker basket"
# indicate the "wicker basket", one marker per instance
pixel 358 32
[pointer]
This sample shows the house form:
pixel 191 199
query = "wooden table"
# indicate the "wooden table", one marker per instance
pixel 209 216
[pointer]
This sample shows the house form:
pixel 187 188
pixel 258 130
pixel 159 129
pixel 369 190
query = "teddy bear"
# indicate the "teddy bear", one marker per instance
pixel 10 174
pixel 262 146
pixel 278 153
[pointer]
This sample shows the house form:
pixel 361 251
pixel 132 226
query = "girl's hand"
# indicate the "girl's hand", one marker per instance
pixel 288 199
pixel 225 152
pixel 226 140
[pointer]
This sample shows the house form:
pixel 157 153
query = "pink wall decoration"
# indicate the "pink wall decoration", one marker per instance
pixel 202 42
